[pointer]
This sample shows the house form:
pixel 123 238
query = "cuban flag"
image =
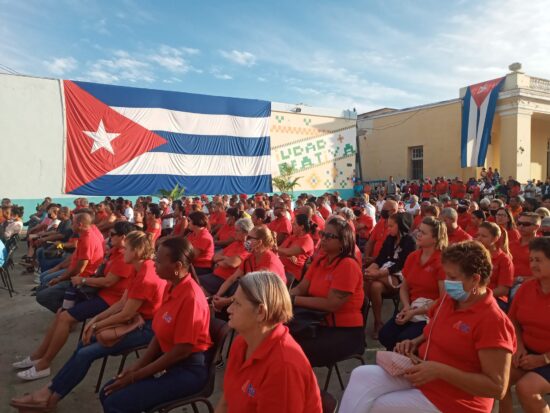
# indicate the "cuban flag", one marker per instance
pixel 131 141
pixel 478 112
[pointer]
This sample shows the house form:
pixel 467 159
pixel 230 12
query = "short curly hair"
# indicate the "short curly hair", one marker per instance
pixel 471 257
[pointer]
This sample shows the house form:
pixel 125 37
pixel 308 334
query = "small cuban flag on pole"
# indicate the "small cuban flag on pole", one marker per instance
pixel 478 112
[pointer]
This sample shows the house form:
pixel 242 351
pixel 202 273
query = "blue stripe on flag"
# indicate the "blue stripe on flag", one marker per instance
pixel 130 97
pixel 488 126
pixel 126 185
pixel 464 132
pixel 213 145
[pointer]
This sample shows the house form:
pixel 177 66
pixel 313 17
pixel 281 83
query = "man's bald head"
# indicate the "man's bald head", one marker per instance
pixel 82 221
pixel 391 206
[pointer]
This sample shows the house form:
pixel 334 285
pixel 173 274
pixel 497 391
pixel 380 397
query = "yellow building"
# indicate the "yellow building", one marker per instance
pixel 424 141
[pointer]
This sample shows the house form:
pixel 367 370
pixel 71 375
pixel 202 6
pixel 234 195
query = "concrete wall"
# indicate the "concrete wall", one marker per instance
pixel 540 134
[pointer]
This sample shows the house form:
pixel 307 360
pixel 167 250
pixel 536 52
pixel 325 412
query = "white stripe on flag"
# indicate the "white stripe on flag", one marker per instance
pixel 162 163
pixel 481 124
pixel 157 119
pixel 472 124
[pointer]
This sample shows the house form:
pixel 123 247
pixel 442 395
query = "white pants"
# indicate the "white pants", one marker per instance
pixel 372 390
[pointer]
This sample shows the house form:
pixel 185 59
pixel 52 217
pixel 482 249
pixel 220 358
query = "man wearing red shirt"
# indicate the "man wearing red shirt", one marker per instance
pixel 454 232
pixel 528 225
pixel 441 188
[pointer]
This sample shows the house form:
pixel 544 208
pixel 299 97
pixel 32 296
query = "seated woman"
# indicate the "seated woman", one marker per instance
pixel 502 276
pixel 333 283
pixel 180 221
pixel 477 217
pixel 384 276
pixel 423 277
pixel 506 221
pixel 464 353
pixel 174 364
pixel 112 285
pixel 229 259
pixel 529 313
pixel 202 242
pixel 226 234
pixel 153 225
pixel 143 297
pixel 298 247
pixel 267 371
pixel 259 243
pixel 259 217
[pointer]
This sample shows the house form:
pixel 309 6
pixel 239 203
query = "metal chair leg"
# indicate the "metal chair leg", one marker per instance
pixel 101 372
pixel 231 337
pixel 329 374
pixel 339 376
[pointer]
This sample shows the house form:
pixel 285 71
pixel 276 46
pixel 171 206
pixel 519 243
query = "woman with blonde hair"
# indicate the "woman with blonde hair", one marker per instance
pixel 267 370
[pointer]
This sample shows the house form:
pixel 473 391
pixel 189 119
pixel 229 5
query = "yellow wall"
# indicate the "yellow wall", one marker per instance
pixel 540 133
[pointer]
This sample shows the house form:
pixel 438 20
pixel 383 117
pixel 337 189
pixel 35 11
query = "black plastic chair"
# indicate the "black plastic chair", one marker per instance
pixel 219 331
pixel 124 354
pixel 5 275
pixel 395 299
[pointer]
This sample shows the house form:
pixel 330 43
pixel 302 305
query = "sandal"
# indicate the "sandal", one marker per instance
pixel 27 402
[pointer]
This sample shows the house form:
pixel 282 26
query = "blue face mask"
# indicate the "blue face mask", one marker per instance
pixel 455 289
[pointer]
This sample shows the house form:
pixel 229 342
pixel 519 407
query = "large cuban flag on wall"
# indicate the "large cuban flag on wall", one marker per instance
pixel 478 112
pixel 131 141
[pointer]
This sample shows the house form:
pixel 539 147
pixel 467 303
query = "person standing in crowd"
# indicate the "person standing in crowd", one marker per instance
pixel 454 232
pixel 531 362
pixel 390 188
pixel 464 354
pixel 267 371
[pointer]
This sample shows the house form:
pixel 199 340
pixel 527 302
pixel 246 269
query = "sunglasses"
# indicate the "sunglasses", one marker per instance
pixel 524 224
pixel 327 235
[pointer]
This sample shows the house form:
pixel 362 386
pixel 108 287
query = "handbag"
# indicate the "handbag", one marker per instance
pixel 420 302
pixel 111 335
pixel 305 322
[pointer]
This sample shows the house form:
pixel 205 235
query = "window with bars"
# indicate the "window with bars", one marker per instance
pixel 417 162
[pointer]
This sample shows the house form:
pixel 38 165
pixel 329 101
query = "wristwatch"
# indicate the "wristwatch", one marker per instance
pixel 546 358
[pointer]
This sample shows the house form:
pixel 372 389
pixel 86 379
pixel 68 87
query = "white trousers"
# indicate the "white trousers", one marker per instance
pixel 372 390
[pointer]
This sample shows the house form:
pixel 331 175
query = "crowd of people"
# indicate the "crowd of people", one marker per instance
pixel 296 279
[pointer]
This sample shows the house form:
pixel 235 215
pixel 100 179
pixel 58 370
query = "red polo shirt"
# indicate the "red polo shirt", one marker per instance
pixel 90 247
pixel 305 242
pixel 147 287
pixel 513 235
pixel 116 266
pixel 464 220
pixel 520 253
pixel 426 190
pixel 417 221
pixel 226 231
pixel 503 270
pixel 379 234
pixel 217 218
pixel 458 235
pixel 530 309
pixel 281 225
pixel 276 377
pixel 236 248
pixel 344 275
pixel 183 317
pixel 202 240
pixel 320 227
pixel 456 339
pixel 269 261
pixel 155 231
pixel 422 279
pixel 441 188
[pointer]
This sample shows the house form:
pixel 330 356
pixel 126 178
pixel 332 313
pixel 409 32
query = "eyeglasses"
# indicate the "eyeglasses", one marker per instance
pixel 328 235
pixel 524 223
pixel 251 237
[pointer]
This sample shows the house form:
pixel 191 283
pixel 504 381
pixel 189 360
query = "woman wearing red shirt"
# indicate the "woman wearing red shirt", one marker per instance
pixel 464 353
pixel 333 283
pixel 202 242
pixel 529 313
pixel 229 259
pixel 422 284
pixel 226 234
pixel 174 364
pixel 502 275
pixel 153 224
pixel 143 296
pixel 476 219
pixel 504 218
pixel 296 249
pixel 267 371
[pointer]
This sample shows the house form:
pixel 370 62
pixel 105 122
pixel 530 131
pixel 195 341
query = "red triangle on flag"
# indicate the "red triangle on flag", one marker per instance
pixel 480 91
pixel 99 139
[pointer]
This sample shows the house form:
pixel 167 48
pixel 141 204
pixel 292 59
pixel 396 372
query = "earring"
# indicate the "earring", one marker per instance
pixel 474 291
pixel 177 273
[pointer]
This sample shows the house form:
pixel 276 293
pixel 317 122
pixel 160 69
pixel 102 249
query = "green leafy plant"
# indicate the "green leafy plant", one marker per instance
pixel 175 193
pixel 285 182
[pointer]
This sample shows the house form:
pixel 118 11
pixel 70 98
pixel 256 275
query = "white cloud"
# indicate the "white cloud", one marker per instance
pixel 241 58
pixel 172 58
pixel 261 79
pixel 219 74
pixel 61 65
pixel 121 67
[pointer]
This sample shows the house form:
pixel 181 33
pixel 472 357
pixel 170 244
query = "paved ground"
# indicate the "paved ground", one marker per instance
pixel 23 322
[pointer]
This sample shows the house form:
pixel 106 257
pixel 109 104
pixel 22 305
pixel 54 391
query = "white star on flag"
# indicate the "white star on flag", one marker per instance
pixel 102 138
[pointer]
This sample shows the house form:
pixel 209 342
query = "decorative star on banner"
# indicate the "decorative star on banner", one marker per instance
pixel 102 138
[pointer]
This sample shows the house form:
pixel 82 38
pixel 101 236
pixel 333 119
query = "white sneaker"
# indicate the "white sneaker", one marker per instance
pixel 23 364
pixel 36 278
pixel 32 374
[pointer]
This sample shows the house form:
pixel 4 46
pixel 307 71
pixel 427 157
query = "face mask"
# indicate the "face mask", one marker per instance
pixel 455 289
pixel 248 245
pixel 385 214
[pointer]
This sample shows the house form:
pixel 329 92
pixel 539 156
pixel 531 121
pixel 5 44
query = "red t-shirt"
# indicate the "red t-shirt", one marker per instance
pixel 458 235
pixel 226 231
pixel 457 337
pixel 369 224
pixel 118 267
pixel 155 231
pixel 147 287
pixel 513 235
pixel 236 248
pixel 324 211
pixel 281 225
pixel 90 247
pixel 422 279
pixel 503 270
pixel 530 309
pixel 417 221
pixel 183 317
pixel 472 230
pixel 269 261
pixel 441 188
pixel 277 377
pixel 320 227
pixel 305 242
pixel 520 254
pixel 426 190
pixel 178 227
pixel 344 275
pixel 464 220
pixel 202 240
pixel 217 218
pixel 379 234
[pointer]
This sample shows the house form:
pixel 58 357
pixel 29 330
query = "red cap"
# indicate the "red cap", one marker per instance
pixel 243 196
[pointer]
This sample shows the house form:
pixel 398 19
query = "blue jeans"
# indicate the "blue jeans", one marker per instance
pixel 52 297
pixel 45 277
pixel 393 333
pixel 46 263
pixel 76 368
pixel 179 381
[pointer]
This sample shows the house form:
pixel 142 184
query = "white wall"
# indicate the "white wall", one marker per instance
pixel 31 136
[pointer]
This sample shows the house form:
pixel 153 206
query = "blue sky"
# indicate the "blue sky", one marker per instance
pixel 363 54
